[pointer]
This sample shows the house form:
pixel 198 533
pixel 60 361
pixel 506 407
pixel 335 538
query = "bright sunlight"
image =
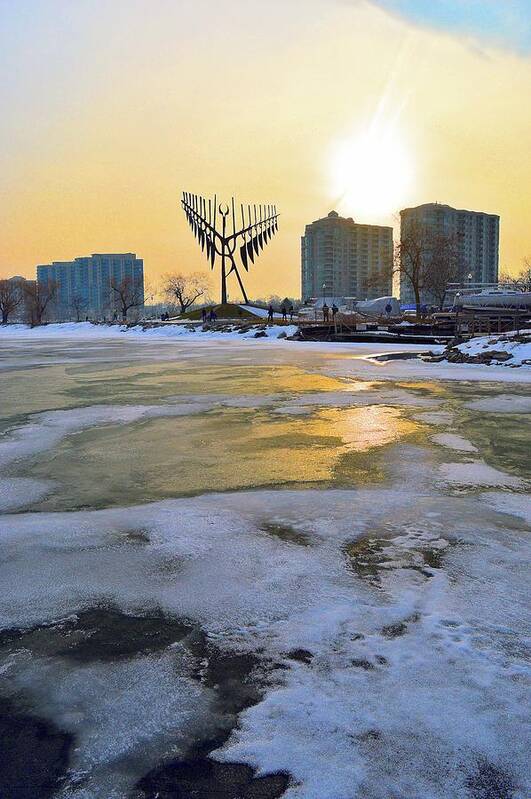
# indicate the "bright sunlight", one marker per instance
pixel 372 175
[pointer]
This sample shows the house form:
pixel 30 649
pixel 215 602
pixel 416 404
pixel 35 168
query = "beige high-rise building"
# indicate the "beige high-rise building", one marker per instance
pixel 349 259
pixel 477 238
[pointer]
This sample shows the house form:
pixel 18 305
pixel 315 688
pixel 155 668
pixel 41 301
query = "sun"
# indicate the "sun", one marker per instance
pixel 372 174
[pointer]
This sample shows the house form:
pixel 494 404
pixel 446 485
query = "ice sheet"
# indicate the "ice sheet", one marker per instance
pixel 453 441
pixel 477 473
pixel 407 599
pixel 502 403
pixel 402 670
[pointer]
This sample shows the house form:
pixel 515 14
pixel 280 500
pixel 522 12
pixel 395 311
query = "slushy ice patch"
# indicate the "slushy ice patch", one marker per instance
pixel 359 669
pixel 100 633
pixel 232 681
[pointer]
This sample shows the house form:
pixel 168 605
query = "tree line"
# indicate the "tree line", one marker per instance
pixel 428 261
pixel 32 300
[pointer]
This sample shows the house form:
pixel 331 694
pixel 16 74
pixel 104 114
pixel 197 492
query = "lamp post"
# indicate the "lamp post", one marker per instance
pixel 324 297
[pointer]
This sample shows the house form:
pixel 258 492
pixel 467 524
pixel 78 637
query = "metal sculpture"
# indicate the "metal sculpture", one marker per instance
pixel 258 226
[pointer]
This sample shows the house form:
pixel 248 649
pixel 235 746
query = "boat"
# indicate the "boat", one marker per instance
pixel 494 298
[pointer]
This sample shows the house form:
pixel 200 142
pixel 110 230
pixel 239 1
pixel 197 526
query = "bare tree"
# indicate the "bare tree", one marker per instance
pixel 520 282
pixel 128 293
pixel 38 297
pixel 78 305
pixel 10 298
pixel 442 266
pixel 428 260
pixel 185 290
pixel 380 280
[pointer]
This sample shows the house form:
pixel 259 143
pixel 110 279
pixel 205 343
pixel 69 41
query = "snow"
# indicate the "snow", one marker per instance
pixel 454 441
pixel 15 492
pixel 443 690
pixel 513 504
pixel 505 342
pixel 362 354
pixel 85 330
pixel 477 473
pixel 502 403
pixel 260 312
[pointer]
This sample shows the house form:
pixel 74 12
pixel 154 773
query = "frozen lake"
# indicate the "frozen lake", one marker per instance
pixel 258 569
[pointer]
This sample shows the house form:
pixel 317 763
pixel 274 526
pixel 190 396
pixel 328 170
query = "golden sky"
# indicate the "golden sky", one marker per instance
pixel 112 109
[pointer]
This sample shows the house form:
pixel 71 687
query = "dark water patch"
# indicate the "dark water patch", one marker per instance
pixel 397 356
pixel 433 557
pixel 34 754
pixel 369 735
pixel 363 663
pixel 138 537
pixel 99 634
pixel 236 677
pixel 286 533
pixel 399 628
pixel 237 680
pixel 366 557
pixel 199 777
pixel 490 782
pixel 370 558
pixel 301 655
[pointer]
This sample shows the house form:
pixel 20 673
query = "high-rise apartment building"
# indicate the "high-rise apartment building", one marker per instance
pixel 84 284
pixel 477 237
pixel 349 259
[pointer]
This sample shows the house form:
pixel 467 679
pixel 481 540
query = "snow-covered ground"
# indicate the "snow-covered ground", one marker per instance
pixel 311 558
pixel 516 345
pixel 87 329
pixel 363 354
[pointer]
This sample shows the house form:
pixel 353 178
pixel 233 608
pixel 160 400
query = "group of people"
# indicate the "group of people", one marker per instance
pixel 335 309
pixel 208 316
pixel 326 312
pixel 284 310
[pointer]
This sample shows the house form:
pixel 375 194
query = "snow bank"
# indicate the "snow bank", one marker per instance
pixel 518 345
pixel 83 330
pixel 15 492
pixel 506 349
pixel 69 330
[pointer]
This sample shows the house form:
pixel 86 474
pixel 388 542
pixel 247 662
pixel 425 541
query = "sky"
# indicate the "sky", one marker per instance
pixel 111 110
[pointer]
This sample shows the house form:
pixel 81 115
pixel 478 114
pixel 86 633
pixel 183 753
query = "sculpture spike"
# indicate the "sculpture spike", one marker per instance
pixel 258 225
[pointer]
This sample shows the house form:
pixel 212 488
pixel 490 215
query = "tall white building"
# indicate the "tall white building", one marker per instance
pixel 84 284
pixel 477 238
pixel 349 259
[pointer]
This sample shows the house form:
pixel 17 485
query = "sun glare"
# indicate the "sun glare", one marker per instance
pixel 372 175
